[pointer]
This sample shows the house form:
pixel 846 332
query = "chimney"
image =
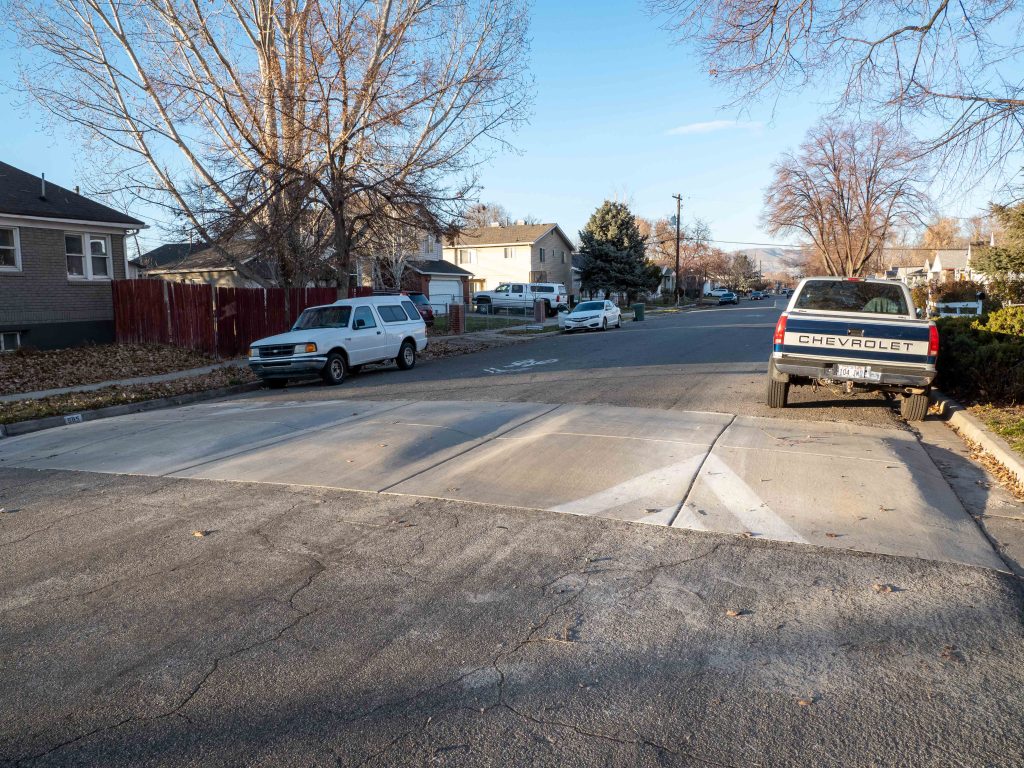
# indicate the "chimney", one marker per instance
pixel 76 190
pixel 42 194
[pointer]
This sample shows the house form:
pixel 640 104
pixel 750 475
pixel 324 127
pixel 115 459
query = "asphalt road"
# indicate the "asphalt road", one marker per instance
pixel 316 626
pixel 713 359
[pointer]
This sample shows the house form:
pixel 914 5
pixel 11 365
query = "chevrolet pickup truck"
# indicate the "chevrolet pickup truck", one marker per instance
pixel 862 335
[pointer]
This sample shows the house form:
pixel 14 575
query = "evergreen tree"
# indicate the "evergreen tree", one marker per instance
pixel 1004 263
pixel 613 253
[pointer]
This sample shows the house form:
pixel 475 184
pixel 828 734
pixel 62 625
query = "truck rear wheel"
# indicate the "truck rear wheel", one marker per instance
pixel 914 407
pixel 777 395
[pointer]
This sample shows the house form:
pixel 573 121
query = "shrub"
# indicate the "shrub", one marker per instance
pixel 1009 320
pixel 977 362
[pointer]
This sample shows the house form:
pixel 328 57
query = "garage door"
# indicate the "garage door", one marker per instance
pixel 444 292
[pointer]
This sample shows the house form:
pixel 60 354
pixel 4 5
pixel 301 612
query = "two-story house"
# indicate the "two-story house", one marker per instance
pixel 59 252
pixel 535 253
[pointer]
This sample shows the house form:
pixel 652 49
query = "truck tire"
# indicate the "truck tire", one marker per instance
pixel 778 393
pixel 483 307
pixel 334 369
pixel 406 356
pixel 914 407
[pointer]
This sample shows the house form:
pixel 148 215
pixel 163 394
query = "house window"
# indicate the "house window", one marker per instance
pixel 10 250
pixel 463 256
pixel 88 256
pixel 542 254
pixel 9 341
pixel 563 256
pixel 510 253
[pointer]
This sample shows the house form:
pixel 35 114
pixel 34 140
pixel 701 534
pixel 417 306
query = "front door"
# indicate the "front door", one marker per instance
pixel 367 341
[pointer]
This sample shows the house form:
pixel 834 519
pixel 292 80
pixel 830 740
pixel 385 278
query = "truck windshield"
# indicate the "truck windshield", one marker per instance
pixel 323 317
pixel 852 296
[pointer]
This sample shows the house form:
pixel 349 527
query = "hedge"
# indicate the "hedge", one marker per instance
pixel 982 359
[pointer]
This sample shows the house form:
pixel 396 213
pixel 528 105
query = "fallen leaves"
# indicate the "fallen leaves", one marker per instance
pixel 884 589
pixel 806 701
pixel 200 534
pixel 33 370
pixel 733 613
pixel 74 402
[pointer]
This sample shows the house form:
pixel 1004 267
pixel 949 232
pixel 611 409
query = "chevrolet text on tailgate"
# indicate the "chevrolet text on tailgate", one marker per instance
pixel 863 335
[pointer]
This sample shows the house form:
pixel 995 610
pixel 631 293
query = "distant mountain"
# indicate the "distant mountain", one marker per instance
pixel 773 259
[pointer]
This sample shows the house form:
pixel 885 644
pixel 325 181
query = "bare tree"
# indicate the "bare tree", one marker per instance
pixel 844 190
pixel 943 232
pixel 955 64
pixel 390 248
pixel 485 214
pixel 259 117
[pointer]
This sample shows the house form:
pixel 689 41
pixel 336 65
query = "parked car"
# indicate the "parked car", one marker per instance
pixel 523 296
pixel 591 315
pixel 861 334
pixel 716 292
pixel 336 339
pixel 756 296
pixel 419 299
pixel 728 298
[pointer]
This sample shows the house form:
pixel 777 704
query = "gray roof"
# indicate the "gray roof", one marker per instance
pixel 951 258
pixel 166 254
pixel 438 267
pixel 21 195
pixel 517 234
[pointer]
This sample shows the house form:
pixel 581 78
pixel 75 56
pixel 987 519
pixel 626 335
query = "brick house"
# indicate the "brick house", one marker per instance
pixel 59 252
pixel 534 253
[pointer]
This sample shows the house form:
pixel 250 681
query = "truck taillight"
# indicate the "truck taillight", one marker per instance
pixel 933 341
pixel 780 331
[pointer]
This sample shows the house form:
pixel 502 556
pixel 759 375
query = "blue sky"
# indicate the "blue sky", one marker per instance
pixel 620 112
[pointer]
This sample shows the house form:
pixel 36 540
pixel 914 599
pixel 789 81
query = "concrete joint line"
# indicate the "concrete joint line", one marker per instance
pixel 693 480
pixel 472 447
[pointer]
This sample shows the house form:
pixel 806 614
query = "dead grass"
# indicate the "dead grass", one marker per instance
pixel 1007 421
pixel 33 370
pixel 76 402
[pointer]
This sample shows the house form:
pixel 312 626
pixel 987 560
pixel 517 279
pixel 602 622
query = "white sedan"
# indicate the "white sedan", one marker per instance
pixel 589 315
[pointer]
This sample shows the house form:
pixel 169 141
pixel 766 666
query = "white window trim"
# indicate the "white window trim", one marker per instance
pixel 17 251
pixel 87 258
pixel 17 343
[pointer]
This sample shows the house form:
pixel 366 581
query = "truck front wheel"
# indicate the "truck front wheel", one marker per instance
pixel 914 407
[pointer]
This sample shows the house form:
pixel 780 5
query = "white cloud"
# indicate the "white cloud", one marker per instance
pixel 712 126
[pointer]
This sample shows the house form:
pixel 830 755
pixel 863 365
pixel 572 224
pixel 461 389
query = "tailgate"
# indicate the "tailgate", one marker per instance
pixel 857 340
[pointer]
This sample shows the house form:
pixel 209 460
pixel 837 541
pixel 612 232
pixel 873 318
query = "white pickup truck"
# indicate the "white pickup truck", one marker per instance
pixel 860 334
pixel 523 296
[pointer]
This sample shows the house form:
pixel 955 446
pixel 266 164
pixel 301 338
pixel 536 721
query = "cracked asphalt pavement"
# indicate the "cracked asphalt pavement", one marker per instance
pixel 155 621
pixel 319 627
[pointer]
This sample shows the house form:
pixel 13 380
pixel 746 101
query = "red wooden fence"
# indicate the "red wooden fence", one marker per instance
pixel 221 321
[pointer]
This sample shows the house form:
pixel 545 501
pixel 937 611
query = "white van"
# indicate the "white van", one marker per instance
pixel 339 338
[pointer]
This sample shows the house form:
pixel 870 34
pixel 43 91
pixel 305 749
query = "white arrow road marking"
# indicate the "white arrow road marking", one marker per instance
pixel 640 487
pixel 741 501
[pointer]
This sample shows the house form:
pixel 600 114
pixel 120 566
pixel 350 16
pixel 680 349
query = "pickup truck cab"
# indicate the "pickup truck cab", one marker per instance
pixel 335 339
pixel 523 296
pixel 860 334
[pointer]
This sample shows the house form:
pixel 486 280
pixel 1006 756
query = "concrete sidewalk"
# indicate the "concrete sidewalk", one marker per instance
pixel 174 375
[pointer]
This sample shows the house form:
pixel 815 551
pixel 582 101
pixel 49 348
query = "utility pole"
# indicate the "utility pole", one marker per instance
pixel 679 211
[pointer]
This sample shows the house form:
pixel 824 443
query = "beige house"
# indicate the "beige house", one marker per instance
pixel 535 253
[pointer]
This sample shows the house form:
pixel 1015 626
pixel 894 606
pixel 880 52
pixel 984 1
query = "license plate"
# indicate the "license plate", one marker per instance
pixel 857 372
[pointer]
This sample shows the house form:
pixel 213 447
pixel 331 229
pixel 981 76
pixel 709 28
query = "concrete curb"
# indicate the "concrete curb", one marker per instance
pixel 49 422
pixel 975 430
